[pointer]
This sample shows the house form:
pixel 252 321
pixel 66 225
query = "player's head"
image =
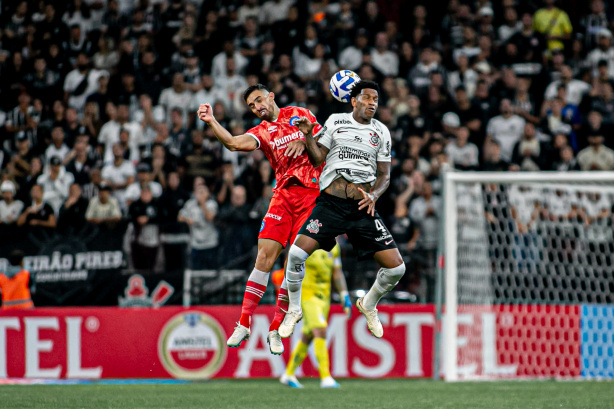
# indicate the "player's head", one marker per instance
pixel 261 101
pixel 365 99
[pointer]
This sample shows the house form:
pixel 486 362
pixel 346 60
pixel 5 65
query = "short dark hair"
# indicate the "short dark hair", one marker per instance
pixel 252 88
pixel 16 257
pixel 357 89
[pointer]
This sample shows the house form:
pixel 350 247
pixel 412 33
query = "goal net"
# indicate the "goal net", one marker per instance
pixel 528 275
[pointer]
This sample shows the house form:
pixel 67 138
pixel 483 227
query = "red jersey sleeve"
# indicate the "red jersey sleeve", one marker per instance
pixel 260 134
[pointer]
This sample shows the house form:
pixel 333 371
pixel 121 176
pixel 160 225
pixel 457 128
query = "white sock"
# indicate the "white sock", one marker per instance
pixel 259 277
pixel 385 281
pixel 295 273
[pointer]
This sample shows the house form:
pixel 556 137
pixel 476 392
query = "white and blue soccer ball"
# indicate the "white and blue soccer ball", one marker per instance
pixel 341 84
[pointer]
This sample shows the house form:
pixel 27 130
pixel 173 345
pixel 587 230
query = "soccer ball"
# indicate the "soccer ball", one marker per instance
pixel 341 84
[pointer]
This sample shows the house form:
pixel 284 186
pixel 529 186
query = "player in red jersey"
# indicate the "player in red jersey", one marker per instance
pixel 295 194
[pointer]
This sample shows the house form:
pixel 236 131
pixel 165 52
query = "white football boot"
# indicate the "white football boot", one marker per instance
pixel 373 322
pixel 291 381
pixel 290 320
pixel 329 382
pixel 275 345
pixel 239 335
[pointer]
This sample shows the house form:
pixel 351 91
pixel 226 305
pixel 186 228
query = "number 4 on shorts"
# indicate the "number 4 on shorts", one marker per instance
pixel 380 226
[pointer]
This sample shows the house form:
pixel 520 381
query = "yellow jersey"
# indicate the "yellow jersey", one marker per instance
pixel 319 273
pixel 553 22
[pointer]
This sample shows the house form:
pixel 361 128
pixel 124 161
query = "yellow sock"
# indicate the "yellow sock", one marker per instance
pixel 297 357
pixel 322 356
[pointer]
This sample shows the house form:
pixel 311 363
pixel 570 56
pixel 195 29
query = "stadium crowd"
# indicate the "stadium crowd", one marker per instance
pixel 98 102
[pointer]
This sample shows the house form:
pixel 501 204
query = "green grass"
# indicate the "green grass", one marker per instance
pixel 253 394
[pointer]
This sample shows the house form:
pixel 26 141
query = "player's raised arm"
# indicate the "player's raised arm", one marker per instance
pixel 232 143
pixel 315 151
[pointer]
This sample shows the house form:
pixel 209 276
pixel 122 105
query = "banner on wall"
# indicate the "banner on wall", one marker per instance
pixel 190 343
pixel 86 267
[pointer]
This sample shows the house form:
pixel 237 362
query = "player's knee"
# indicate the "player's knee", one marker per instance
pixel 296 257
pixel 266 258
pixel 396 272
pixel 389 277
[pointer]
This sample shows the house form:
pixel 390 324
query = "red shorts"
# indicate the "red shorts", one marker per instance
pixel 288 210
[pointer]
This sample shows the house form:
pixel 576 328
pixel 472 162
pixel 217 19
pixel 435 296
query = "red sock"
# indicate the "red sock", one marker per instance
pixel 256 286
pixel 280 309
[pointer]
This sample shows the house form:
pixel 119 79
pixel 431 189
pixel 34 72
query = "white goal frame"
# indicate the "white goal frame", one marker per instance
pixel 450 230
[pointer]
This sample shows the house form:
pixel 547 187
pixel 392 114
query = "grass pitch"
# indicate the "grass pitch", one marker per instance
pixel 254 394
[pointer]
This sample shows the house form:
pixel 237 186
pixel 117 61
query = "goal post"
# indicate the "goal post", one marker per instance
pixel 528 279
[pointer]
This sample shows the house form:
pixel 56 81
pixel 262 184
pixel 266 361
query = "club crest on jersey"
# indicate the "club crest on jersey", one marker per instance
pixel 272 128
pixel 374 139
pixel 294 120
pixel 314 226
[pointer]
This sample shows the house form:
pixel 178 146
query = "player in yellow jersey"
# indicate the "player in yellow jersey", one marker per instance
pixel 321 269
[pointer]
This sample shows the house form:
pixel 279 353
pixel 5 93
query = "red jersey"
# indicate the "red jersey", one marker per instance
pixel 273 138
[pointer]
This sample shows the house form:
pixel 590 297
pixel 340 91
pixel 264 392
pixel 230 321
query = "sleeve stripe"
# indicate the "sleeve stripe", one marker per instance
pixel 254 136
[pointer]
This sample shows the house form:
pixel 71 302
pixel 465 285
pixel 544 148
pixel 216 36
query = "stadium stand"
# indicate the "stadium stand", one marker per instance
pixel 101 95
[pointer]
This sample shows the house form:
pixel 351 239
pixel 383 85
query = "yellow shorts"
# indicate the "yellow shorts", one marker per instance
pixel 315 313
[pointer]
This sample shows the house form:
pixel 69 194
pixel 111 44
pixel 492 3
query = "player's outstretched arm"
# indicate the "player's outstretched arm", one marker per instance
pixel 380 186
pixel 315 151
pixel 232 143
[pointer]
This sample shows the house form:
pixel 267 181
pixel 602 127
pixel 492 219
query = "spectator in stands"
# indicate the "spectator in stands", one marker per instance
pixel 576 89
pixel 199 213
pixel 463 154
pixel 81 82
pixel 145 215
pixel 110 133
pixel 506 129
pixel 90 190
pixel 39 213
pixel 567 161
pixel 351 57
pixel 384 60
pixel 57 148
pixel 72 212
pixel 209 93
pixel 554 24
pixel 119 175
pixel 103 209
pixel 236 229
pixel 19 165
pixel 493 162
pixel 10 209
pixel 593 23
pixel 596 156
pixel 178 135
pixel 80 164
pixel 56 183
pixel 219 64
pixel 603 52
pixel 23 120
pixel 176 96
pixel 424 212
pixel 529 153
pixel 143 178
